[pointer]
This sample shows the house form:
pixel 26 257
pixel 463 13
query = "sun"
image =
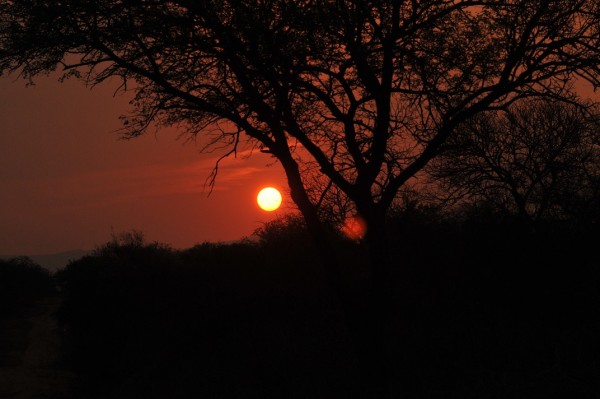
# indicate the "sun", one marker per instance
pixel 269 199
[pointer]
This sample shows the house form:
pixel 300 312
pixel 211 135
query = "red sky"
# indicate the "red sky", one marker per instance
pixel 66 179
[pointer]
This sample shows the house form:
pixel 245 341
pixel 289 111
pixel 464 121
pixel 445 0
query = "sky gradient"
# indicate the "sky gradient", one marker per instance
pixel 67 181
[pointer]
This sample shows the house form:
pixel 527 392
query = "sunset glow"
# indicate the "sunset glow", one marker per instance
pixel 269 199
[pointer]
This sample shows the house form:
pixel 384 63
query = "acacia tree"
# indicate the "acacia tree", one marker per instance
pixel 527 160
pixel 363 93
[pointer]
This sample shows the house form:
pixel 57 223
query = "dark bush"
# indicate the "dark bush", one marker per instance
pixel 480 300
pixel 110 300
pixel 212 320
pixel 485 298
pixel 21 283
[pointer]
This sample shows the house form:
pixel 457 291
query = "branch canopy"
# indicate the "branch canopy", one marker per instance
pixel 350 96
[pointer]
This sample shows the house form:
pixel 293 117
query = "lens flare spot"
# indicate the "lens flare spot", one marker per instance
pixel 354 228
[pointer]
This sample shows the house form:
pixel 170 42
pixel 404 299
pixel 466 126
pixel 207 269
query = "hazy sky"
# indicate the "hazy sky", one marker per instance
pixel 67 181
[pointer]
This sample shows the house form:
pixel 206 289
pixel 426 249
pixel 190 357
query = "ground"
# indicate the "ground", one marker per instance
pixel 30 349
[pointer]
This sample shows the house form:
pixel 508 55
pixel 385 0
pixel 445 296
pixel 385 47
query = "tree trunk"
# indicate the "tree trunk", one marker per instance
pixel 366 312
pixel 374 326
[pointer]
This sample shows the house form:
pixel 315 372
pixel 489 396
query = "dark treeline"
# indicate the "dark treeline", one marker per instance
pixel 22 282
pixel 484 306
pixel 220 321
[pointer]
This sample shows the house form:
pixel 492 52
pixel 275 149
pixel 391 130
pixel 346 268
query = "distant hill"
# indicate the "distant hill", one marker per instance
pixel 56 261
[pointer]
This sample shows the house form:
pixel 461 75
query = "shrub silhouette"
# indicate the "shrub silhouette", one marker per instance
pixel 110 298
pixel 212 320
pixel 482 301
pixel 22 282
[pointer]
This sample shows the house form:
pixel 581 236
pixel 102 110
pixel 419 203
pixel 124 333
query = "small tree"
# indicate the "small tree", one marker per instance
pixel 22 281
pixel 527 160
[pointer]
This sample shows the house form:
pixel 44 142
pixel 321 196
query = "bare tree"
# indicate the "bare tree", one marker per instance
pixel 362 93
pixel 526 160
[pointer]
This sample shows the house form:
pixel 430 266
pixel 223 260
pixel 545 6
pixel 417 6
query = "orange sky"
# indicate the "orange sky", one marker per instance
pixel 66 180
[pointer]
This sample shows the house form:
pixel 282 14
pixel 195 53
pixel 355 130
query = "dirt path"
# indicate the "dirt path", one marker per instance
pixel 31 368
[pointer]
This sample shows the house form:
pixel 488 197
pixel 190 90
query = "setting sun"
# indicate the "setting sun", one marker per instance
pixel 269 199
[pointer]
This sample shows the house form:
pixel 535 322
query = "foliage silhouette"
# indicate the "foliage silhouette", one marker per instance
pixel 532 160
pixel 486 308
pixel 216 320
pixel 21 283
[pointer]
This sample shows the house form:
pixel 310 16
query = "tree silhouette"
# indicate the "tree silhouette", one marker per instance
pixel 528 160
pixel 22 282
pixel 360 94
